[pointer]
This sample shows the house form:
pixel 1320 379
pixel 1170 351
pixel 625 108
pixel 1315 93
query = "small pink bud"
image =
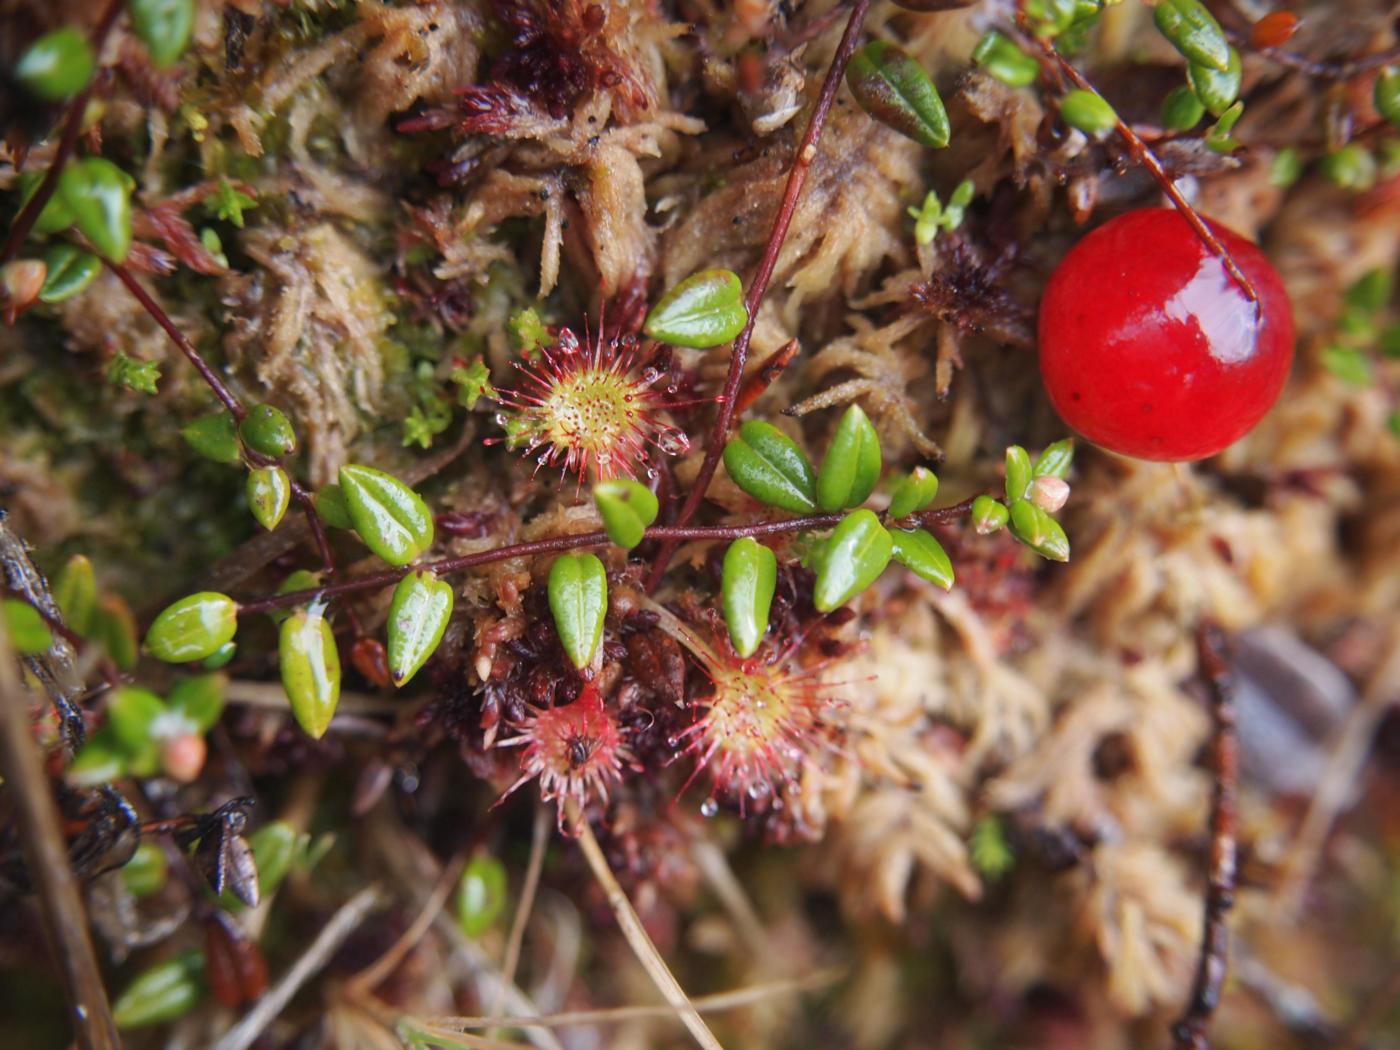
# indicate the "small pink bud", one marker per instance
pixel 182 756
pixel 1049 493
pixel 20 282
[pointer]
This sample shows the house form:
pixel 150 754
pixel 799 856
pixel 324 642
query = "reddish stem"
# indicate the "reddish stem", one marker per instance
pixel 797 177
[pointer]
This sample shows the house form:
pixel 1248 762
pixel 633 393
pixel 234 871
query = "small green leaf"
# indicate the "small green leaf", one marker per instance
pixel 1218 135
pixel 1194 32
pixel 58 65
pixel 1005 61
pixel 923 555
pixel 1216 89
pixel 133 374
pixel 989 515
pixel 97 194
pixel 1372 291
pixel 390 517
pixel 115 628
pixel 300 580
pixel 200 698
pixel 1347 364
pixel 75 591
pixel 100 760
pixel 69 271
pixel 1286 167
pixel 1089 112
pixel 1350 168
pixel 193 628
pixel 215 437
pixel 481 895
pixel 144 874
pixel 527 332
pixel 1055 460
pixel 275 847
pixel 627 507
pixel 578 599
pixel 991 854
pixel 220 657
pixel 167 990
pixel 768 465
pixel 164 26
pixel 228 203
pixel 55 215
pixel 310 665
pixel 895 90
pixel 473 383
pixel 1038 531
pixel 706 309
pixel 269 493
pixel 913 493
pixel 750 577
pixel 857 553
pixel 1182 110
pixel 330 504
pixel 131 713
pixel 28 632
pixel 852 464
pixel 267 430
pixel 1387 94
pixel 418 617
pixel 1018 472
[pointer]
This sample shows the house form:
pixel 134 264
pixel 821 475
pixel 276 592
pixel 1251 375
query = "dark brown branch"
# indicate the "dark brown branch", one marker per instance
pixel 797 177
pixel 1189 1032
pixel 46 859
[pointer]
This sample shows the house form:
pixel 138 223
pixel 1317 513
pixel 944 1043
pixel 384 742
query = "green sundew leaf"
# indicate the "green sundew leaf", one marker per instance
pixel 228 203
pixel 749 580
pixel 1347 364
pixel 134 374
pixel 923 555
pixel 988 849
pixel 895 90
pixel 75 591
pixel 989 515
pixel 627 507
pixel 97 194
pixel 390 517
pixel 131 713
pixel 768 465
pixel 193 628
pixel 115 628
pixel 164 26
pixel 1373 290
pixel 69 271
pixel 418 617
pixel 857 553
pixel 1018 472
pixel 1194 32
pixel 852 463
pixel 706 309
pixel 300 580
pixel 267 430
pixel 28 632
pixel 58 65
pixel 215 437
pixel 167 990
pixel 310 665
pixel 1182 110
pixel 481 895
pixel 269 493
pixel 144 874
pixel 1387 94
pixel 1038 531
pixel 1005 61
pixel 913 493
pixel 100 760
pixel 1055 460
pixel 200 698
pixel 1216 89
pixel 330 504
pixel 578 599
pixel 1089 112
pixel 1286 167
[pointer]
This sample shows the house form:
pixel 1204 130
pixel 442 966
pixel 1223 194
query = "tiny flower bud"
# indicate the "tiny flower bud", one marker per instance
pixel 988 515
pixel 1049 493
pixel 20 282
pixel 182 757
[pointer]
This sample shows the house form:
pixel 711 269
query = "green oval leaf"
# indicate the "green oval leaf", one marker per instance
pixel 418 617
pixel 1194 32
pixel 989 515
pixel 1055 460
pixel 1018 472
pixel 750 577
pixel 144 874
pixel 1089 112
pixel 220 657
pixel 1182 110
pixel 300 580
pixel 54 216
pixel 1387 94
pixel 923 555
pixel 1038 531
pixel 69 271
pixel 390 517
pixel 330 504
pixel 131 714
pixel 856 554
pixel 1005 61
pixel 76 593
pixel 578 599
pixel 164 26
pixel 28 632
pixel 193 628
pixel 276 847
pixel 269 493
pixel 913 493
pixel 58 65
pixel 199 698
pixel 768 465
pixel 97 194
pixel 481 895
pixel 706 309
pixel 1216 89
pixel 115 628
pixel 895 90
pixel 215 437
pixel 267 430
pixel 310 665
pixel 162 993
pixel 627 507
pixel 100 760
pixel 852 464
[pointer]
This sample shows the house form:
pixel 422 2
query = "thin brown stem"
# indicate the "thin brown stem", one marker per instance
pixel 1189 1032
pixel 797 178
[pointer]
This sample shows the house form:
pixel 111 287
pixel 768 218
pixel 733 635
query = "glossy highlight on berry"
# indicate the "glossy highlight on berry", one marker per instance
pixel 1149 348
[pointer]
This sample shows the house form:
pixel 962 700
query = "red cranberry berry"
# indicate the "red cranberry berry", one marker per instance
pixel 1149 348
